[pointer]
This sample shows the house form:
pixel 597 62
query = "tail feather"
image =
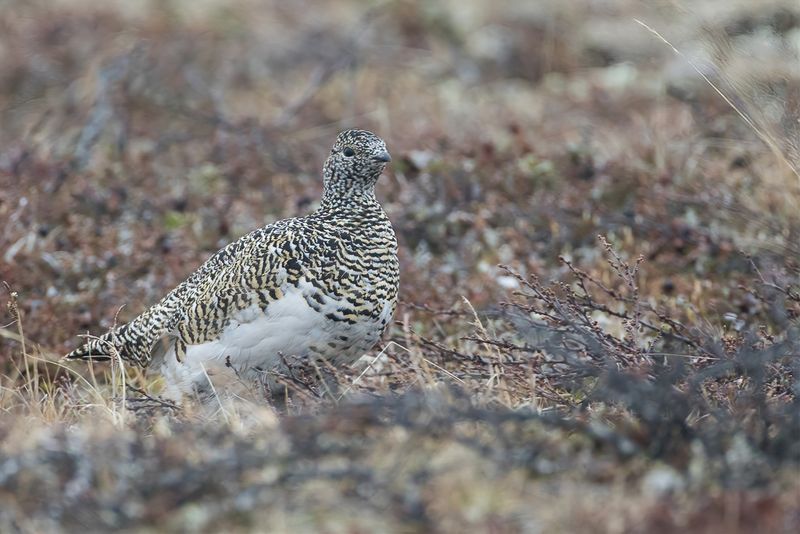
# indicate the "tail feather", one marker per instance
pixel 131 342
pixel 141 339
pixel 102 348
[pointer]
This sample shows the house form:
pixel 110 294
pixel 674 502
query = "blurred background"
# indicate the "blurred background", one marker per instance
pixel 138 137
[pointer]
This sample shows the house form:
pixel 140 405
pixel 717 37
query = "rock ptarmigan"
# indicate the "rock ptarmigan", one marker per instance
pixel 323 286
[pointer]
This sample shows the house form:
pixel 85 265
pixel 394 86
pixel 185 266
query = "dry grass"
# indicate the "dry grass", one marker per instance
pixel 646 381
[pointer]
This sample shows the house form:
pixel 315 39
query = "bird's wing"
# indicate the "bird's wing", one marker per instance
pixel 252 270
pixel 194 302
pixel 253 274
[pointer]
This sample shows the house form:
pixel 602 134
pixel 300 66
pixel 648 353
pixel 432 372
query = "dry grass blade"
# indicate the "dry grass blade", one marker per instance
pixel 763 135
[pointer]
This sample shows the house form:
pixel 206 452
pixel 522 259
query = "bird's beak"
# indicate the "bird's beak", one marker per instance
pixel 383 156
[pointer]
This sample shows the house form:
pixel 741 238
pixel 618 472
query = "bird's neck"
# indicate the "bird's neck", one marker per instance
pixel 349 201
pixel 350 206
pixel 342 190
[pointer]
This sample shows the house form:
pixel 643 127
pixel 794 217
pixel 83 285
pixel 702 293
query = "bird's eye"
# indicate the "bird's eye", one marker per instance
pixel 348 152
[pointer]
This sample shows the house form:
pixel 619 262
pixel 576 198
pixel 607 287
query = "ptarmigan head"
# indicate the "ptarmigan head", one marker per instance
pixel 357 159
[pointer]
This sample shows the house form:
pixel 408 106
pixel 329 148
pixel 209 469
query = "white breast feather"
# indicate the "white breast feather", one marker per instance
pixel 255 339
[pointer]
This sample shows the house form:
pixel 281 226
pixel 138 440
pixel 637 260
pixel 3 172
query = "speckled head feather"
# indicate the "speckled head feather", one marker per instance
pixel 357 159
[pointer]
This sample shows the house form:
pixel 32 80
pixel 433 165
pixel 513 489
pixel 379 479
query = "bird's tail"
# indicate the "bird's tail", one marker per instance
pixel 100 348
pixel 139 340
